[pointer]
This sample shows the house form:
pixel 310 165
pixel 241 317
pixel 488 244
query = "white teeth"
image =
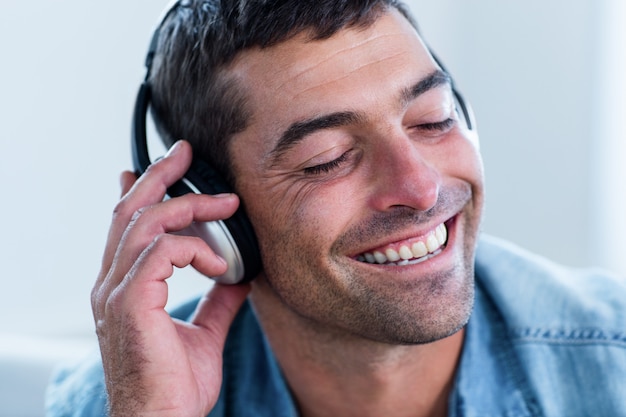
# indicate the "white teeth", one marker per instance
pixel 441 233
pixel 392 255
pixel 405 253
pixel 431 243
pixel 419 251
pixel 379 257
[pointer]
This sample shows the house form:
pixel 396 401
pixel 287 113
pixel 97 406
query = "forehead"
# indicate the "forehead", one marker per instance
pixel 356 69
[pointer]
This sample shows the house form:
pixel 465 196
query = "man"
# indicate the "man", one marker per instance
pixel 361 176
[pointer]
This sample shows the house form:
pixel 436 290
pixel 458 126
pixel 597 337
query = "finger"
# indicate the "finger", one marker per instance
pixel 217 309
pixel 161 174
pixel 169 216
pixel 149 189
pixel 127 179
pixel 144 287
pixel 156 221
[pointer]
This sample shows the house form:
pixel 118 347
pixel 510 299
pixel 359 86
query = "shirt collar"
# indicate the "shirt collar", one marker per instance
pixel 490 380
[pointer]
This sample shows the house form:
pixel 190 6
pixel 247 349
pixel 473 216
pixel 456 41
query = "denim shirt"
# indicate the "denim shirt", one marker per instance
pixel 542 340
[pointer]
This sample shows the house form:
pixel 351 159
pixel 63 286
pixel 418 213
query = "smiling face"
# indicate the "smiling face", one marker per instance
pixel 364 187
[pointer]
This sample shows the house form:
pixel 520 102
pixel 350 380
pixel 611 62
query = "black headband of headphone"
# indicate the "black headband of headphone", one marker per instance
pixel 232 238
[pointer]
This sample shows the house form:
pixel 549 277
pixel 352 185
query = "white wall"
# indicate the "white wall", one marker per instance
pixel 70 70
pixel 608 156
pixel 529 69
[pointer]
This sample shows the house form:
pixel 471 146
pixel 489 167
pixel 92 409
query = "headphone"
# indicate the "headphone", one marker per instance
pixel 233 239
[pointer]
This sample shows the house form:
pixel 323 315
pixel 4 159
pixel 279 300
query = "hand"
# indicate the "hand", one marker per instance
pixel 155 365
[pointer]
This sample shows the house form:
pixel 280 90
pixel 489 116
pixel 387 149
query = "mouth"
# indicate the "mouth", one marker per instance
pixel 409 252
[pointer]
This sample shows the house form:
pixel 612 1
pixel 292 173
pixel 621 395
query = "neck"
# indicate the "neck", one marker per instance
pixel 331 373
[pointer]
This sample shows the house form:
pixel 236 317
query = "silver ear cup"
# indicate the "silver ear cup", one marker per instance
pixel 219 239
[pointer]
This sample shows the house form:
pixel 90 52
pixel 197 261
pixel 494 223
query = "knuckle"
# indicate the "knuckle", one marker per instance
pixel 160 242
pixel 99 300
pixel 137 214
pixel 113 306
pixel 153 168
pixel 95 296
pixel 126 211
pixel 139 217
pixel 113 301
pixel 101 329
pixel 123 209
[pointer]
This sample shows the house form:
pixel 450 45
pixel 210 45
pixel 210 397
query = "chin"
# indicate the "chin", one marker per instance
pixel 410 312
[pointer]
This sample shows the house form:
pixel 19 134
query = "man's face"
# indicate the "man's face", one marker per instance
pixel 355 157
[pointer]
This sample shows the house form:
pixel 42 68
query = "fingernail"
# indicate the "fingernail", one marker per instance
pixel 223 195
pixel 222 260
pixel 174 148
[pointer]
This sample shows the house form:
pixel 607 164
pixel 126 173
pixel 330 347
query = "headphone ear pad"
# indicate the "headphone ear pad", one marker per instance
pixel 207 180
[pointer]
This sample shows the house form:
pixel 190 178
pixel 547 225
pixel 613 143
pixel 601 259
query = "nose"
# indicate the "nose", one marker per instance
pixel 404 173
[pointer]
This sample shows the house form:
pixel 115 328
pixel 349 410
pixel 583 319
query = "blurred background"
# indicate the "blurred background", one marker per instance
pixel 545 79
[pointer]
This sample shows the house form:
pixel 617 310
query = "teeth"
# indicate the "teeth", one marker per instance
pixel 431 243
pixel 380 257
pixel 441 233
pixel 405 253
pixel 419 251
pixel 392 255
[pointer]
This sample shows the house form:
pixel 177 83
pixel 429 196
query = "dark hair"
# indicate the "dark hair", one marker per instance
pixel 192 96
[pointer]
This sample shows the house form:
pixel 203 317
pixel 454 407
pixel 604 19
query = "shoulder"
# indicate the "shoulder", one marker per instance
pixel 529 288
pixel 566 325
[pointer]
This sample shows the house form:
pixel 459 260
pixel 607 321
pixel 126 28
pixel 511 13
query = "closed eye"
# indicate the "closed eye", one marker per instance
pixel 442 126
pixel 326 167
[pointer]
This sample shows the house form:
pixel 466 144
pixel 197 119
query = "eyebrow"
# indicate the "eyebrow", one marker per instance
pixel 297 131
pixel 433 80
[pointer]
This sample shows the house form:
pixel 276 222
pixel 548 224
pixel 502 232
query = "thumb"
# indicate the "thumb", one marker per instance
pixel 218 308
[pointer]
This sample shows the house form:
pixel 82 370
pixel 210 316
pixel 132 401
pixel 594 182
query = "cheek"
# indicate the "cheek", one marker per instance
pixel 303 222
pixel 474 171
pixel 467 165
pixel 462 160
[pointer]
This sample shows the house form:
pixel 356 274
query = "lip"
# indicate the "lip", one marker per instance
pixel 409 237
pixel 441 261
pixel 445 259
